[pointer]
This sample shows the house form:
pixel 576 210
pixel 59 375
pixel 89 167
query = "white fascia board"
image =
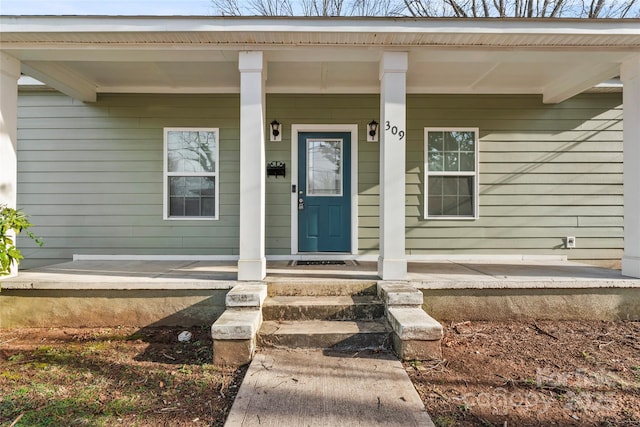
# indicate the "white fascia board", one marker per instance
pixel 113 24
pixel 62 79
pixel 574 83
pixel 528 54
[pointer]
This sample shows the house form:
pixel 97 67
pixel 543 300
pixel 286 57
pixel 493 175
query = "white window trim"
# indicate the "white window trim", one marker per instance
pixel 165 175
pixel 475 174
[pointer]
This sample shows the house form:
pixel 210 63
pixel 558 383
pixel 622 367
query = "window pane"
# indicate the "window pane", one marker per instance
pixel 450 205
pixel 324 167
pixel 208 206
pixel 436 160
pixel 465 206
pixel 435 185
pixel 191 151
pixel 435 147
pixel 451 162
pixel 465 186
pixel 450 186
pixel 451 141
pixel 467 161
pixel 176 206
pixel 435 141
pixel 192 196
pixel 192 206
pixel 435 206
pixel 193 186
pixel 208 185
pixel 450 196
pixel 177 186
pixel 467 140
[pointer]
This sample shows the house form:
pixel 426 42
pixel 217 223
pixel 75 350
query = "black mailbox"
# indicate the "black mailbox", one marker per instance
pixel 276 169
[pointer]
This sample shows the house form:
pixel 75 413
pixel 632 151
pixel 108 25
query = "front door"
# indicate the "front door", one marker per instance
pixel 324 192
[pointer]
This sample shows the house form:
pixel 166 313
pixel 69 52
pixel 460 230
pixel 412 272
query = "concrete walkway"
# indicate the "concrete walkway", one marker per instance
pixel 314 388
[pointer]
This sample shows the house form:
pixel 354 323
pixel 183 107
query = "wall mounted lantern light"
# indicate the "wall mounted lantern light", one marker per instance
pixel 372 134
pixel 276 131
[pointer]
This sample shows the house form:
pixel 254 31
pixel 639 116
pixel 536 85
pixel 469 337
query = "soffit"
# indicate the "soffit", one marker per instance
pixel 84 56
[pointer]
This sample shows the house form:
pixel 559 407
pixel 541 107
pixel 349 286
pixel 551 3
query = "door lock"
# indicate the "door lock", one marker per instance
pixel 300 204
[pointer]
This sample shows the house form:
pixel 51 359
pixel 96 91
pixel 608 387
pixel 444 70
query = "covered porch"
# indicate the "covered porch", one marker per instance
pixel 86 57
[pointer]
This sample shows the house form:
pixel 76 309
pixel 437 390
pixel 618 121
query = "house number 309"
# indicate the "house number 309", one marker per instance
pixel 394 130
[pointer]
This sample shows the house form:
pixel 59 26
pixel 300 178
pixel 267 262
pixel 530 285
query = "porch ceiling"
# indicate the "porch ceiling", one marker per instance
pixel 84 56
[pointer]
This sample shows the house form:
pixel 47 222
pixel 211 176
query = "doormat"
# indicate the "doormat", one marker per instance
pixel 320 262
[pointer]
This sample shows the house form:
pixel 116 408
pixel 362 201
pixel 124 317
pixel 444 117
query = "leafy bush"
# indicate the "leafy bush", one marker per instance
pixel 18 221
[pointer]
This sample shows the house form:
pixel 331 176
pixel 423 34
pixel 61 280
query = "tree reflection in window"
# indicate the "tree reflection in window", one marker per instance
pixel 191 172
pixel 191 151
pixel 324 167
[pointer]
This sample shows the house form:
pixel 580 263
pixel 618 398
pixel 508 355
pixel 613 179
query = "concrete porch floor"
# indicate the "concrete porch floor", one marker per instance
pixel 441 274
pixel 89 293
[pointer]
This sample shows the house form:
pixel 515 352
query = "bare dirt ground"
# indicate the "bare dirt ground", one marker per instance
pixel 112 376
pixel 534 374
pixel 493 374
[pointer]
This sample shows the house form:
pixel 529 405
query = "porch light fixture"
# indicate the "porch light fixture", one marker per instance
pixel 372 135
pixel 276 128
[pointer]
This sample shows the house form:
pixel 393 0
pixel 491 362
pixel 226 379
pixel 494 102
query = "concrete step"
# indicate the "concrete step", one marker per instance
pixel 366 307
pixel 319 287
pixel 325 334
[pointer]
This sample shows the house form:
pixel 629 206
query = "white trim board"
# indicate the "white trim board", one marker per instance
pixel 132 257
pixel 323 256
pixel 348 128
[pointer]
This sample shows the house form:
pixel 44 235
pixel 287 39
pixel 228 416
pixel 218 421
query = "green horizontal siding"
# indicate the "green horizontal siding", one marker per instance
pixel 546 172
pixel 91 174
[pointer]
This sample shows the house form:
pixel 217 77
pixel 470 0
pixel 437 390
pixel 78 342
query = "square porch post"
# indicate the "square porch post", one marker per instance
pixel 9 75
pixel 392 263
pixel 252 262
pixel 630 75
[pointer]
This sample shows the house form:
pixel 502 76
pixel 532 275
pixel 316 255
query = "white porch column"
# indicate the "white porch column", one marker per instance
pixel 630 75
pixel 9 75
pixel 252 263
pixel 392 264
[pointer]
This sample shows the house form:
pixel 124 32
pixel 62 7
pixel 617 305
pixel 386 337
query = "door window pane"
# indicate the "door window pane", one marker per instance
pixel 324 167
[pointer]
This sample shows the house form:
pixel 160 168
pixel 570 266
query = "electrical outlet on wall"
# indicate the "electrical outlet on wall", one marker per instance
pixel 570 242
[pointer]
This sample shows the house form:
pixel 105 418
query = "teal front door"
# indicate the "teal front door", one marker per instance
pixel 324 192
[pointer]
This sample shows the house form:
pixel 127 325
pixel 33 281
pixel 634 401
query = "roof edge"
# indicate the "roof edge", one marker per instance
pixel 146 23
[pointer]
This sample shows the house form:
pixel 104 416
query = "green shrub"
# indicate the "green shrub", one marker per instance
pixel 18 221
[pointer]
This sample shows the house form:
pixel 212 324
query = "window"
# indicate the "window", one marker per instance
pixel 191 177
pixel 324 167
pixel 451 165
